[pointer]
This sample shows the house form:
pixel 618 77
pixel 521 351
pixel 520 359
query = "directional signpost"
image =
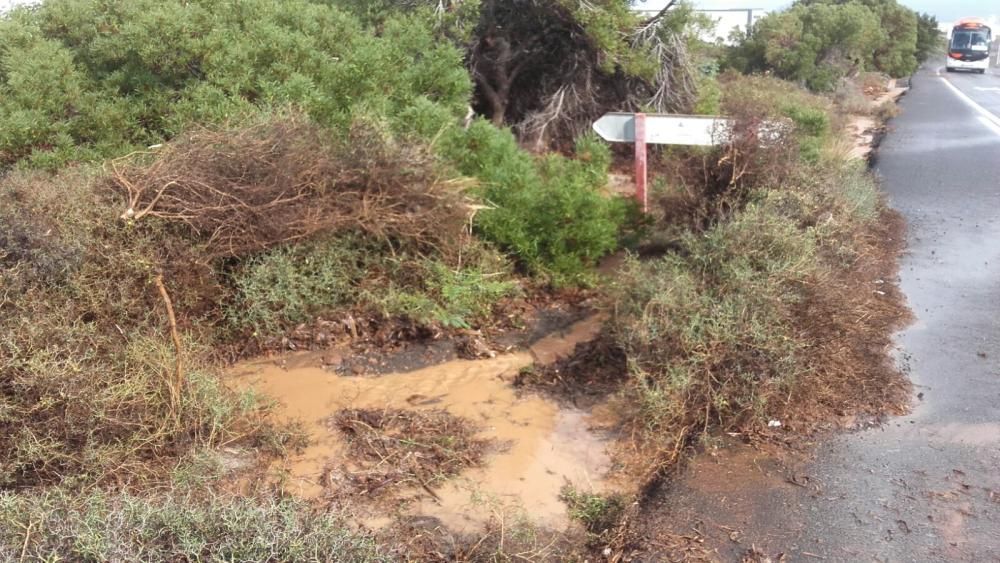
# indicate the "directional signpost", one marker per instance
pixel 658 129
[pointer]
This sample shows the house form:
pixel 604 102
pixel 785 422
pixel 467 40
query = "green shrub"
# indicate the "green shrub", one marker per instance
pixel 294 283
pixel 707 330
pixel 279 289
pixel 768 98
pixel 709 100
pixel 549 212
pixel 55 525
pixel 858 192
pixel 85 79
pixel 449 297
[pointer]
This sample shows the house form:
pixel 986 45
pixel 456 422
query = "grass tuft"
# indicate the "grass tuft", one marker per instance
pixel 58 526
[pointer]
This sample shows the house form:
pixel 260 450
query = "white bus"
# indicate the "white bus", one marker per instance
pixel 969 46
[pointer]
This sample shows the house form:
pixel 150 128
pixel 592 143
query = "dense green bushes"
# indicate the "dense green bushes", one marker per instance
pixel 749 313
pixel 818 42
pixel 85 80
pixel 715 332
pixel 549 212
pixel 708 329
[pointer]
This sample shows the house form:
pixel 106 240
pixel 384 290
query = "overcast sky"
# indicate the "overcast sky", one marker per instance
pixel 945 10
pixel 4 4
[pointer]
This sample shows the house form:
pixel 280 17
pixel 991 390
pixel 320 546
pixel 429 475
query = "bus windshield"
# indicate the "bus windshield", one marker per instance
pixel 970 40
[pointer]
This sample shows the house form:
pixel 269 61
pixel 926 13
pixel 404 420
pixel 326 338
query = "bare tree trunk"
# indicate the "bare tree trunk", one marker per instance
pixel 496 97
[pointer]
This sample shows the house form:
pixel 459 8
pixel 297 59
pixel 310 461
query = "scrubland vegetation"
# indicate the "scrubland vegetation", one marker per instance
pixel 186 179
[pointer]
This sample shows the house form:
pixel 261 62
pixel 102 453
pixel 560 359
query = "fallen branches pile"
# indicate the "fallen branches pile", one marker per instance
pixel 285 180
pixel 398 448
pixel 548 70
pixel 583 90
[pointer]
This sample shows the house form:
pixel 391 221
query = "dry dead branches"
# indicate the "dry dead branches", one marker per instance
pixel 393 448
pixel 245 190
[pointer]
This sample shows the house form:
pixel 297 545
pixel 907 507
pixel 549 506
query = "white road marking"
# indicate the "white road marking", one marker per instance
pixel 989 124
pixel 986 116
pixel 990 89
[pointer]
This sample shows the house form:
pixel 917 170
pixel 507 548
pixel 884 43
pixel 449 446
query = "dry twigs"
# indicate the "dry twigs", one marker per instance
pixel 284 180
pixel 177 385
pixel 394 448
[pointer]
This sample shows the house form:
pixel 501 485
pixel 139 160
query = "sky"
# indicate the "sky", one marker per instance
pixel 5 4
pixel 944 10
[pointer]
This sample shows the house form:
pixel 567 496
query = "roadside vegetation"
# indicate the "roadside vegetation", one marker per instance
pixel 185 182
pixel 818 43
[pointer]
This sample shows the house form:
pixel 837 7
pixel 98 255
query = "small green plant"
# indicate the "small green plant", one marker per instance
pixel 85 80
pixel 294 283
pixel 598 513
pixel 858 192
pixel 548 212
pixel 454 298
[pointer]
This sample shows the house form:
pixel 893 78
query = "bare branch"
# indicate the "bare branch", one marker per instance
pixel 251 189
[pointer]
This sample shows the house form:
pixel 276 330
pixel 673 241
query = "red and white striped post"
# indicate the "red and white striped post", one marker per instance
pixel 640 161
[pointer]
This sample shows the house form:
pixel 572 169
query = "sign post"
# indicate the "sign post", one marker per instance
pixel 657 129
pixel 640 161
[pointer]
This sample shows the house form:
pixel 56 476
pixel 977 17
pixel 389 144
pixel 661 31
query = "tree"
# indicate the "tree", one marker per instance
pixel 929 37
pixel 896 54
pixel 816 42
pixel 547 68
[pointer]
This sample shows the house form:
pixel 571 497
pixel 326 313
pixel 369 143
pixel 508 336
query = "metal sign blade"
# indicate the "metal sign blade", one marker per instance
pixel 616 127
pixel 662 129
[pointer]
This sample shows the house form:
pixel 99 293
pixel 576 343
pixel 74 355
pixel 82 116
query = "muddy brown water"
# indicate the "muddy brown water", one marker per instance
pixel 546 446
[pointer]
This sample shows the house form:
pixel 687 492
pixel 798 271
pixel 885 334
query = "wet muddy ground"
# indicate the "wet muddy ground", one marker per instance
pixel 540 446
pixel 922 487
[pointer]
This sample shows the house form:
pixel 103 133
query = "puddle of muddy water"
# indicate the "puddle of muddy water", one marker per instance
pixel 546 446
pixel 560 344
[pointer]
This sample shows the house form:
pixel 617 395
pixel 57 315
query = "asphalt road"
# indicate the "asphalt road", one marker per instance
pixel 983 88
pixel 924 487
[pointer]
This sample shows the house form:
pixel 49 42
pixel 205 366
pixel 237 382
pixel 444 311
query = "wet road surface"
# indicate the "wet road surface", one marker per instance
pixel 983 89
pixel 924 487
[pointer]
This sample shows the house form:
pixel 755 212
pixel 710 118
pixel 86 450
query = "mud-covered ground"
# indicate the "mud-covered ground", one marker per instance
pixel 496 453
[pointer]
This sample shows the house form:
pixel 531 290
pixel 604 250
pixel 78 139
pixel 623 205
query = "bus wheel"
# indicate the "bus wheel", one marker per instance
pixel 982 71
pixel 949 69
